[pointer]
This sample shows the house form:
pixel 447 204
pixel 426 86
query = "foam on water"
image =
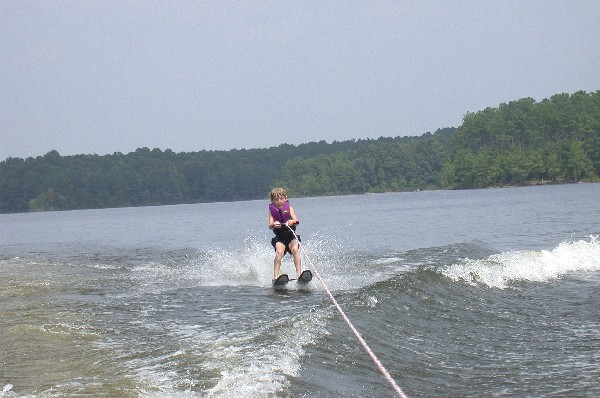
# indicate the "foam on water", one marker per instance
pixel 213 267
pixel 253 367
pixel 158 379
pixel 6 390
pixel 499 270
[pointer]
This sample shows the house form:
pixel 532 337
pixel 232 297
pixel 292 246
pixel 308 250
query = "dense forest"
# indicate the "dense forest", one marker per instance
pixel 556 140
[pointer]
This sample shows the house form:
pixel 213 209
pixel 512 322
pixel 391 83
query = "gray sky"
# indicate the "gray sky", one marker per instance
pixel 112 76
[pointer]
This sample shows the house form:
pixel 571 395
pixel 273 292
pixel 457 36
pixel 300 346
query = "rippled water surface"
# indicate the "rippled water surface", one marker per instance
pixel 458 293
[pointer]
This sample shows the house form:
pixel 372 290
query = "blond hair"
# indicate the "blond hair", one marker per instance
pixel 278 193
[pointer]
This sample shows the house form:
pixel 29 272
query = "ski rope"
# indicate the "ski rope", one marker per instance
pixel 362 341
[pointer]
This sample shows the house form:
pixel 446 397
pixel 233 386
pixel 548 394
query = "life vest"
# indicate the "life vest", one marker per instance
pixel 282 215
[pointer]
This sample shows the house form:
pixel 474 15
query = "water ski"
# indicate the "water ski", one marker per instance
pixel 281 281
pixel 305 277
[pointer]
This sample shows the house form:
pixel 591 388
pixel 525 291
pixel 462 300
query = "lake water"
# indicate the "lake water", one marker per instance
pixel 470 293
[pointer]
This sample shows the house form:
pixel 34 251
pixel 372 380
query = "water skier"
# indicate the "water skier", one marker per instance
pixel 282 217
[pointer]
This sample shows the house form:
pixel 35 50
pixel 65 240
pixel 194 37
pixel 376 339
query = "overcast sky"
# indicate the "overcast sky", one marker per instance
pixel 87 77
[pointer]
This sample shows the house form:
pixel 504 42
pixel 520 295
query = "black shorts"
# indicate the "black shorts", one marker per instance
pixel 286 240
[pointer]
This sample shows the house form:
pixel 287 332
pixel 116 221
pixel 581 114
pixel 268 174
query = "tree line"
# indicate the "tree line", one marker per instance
pixel 556 140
